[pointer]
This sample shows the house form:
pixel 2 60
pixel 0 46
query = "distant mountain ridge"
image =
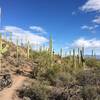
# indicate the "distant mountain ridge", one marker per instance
pixel 97 56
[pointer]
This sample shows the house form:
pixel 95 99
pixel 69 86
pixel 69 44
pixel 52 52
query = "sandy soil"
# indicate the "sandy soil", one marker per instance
pixel 10 93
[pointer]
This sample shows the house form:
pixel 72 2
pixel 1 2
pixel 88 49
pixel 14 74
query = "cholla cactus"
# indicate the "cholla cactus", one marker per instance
pixel 2 50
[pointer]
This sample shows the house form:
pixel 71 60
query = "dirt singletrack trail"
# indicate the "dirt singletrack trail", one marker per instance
pixel 10 93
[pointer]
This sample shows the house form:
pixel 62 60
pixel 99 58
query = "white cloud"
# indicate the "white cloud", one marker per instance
pixel 25 34
pixel 92 29
pixel 38 29
pixel 96 20
pixel 87 27
pixel 91 43
pixel 91 5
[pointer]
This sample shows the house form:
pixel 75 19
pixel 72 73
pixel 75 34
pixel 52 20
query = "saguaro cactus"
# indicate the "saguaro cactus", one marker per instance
pixel 5 37
pixel 28 50
pixel 61 52
pixel 82 56
pixel 40 49
pixel 70 58
pixel 50 50
pixel 17 51
pixel 50 45
pixel 92 53
pixel 2 50
pixel 78 56
pixel 74 61
pixel 10 37
pixel 21 42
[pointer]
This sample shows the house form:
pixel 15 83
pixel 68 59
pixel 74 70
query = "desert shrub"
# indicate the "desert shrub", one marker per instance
pixel 49 75
pixel 85 77
pixel 64 79
pixel 36 91
pixel 69 93
pixel 92 62
pixel 88 77
pixel 89 93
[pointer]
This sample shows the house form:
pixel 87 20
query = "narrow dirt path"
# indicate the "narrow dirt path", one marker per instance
pixel 9 93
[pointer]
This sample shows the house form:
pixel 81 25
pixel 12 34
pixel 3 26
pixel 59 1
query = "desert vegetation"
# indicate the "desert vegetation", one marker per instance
pixel 51 76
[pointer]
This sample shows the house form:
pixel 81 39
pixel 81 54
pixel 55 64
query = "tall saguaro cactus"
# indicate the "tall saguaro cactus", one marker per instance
pixel 2 50
pixel 28 49
pixel 10 38
pixel 61 52
pixel 74 61
pixel 5 37
pixel 78 56
pixel 70 58
pixel 50 44
pixel 92 53
pixel 83 51
pixel 50 50
pixel 17 51
pixel 82 56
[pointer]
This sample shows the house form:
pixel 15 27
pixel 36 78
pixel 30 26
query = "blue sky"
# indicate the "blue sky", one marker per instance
pixel 71 22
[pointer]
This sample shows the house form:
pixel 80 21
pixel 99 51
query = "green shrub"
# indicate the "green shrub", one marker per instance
pixel 92 63
pixel 89 93
pixel 37 91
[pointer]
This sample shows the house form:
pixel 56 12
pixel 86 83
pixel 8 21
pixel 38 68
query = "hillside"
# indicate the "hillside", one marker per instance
pixel 46 77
